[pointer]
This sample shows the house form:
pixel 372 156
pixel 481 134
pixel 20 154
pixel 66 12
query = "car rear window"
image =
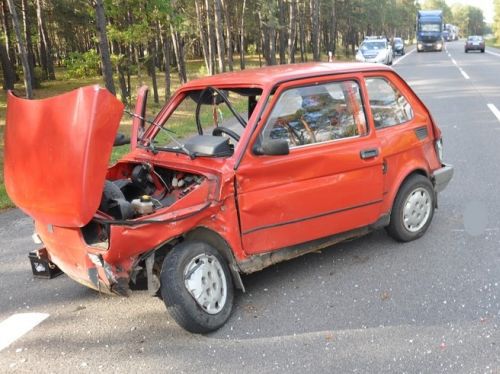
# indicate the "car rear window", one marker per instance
pixel 388 105
pixel 316 114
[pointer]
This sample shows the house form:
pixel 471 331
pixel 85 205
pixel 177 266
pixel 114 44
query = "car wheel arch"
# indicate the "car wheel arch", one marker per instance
pixel 206 235
pixel 401 181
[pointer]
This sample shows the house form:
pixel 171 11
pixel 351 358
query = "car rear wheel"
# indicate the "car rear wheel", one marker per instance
pixel 482 50
pixel 196 287
pixel 413 209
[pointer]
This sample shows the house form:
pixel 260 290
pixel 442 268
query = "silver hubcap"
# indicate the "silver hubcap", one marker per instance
pixel 206 282
pixel 417 209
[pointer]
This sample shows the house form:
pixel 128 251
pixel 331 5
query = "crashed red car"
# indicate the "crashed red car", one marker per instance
pixel 276 162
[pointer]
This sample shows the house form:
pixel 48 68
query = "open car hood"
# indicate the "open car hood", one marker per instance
pixel 57 152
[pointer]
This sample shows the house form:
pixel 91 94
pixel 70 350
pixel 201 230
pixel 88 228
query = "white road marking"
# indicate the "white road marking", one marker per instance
pixel 403 57
pixel 493 53
pixel 17 325
pixel 495 111
pixel 464 73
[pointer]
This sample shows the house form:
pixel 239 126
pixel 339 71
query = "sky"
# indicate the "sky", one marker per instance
pixel 485 5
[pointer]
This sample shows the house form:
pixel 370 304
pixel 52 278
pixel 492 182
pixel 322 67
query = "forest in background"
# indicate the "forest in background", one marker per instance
pixel 121 39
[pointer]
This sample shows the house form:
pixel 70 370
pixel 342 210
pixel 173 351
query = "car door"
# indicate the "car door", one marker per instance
pixel 331 180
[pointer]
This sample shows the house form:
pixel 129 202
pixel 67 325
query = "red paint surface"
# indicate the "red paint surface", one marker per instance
pixel 256 204
pixel 57 151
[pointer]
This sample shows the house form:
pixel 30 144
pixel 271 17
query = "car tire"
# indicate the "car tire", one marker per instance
pixel 204 270
pixel 482 50
pixel 413 209
pixel 466 51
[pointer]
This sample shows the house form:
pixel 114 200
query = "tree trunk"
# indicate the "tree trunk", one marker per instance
pixel 220 36
pixel 45 44
pixel 8 32
pixel 229 34
pixel 22 50
pixel 107 69
pixel 166 60
pixel 152 70
pixel 282 32
pixel 242 36
pixel 120 68
pixel 333 29
pixel 302 33
pixel 292 35
pixel 29 44
pixel 179 54
pixel 315 30
pixel 9 77
pixel 203 35
pixel 211 37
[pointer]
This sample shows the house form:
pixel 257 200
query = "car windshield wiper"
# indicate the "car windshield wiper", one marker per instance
pixel 167 131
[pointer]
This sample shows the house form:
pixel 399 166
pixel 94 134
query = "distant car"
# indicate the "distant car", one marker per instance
pixel 398 46
pixel 474 43
pixel 375 49
pixel 321 153
pixel 446 36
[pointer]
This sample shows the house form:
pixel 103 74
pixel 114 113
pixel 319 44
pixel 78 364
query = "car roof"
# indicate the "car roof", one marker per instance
pixel 269 76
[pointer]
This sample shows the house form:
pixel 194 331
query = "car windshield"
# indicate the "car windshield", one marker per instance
pixel 398 41
pixel 475 38
pixel 373 45
pixel 200 112
pixel 430 27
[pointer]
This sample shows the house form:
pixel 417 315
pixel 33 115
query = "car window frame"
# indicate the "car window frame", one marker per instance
pixel 358 78
pixel 386 78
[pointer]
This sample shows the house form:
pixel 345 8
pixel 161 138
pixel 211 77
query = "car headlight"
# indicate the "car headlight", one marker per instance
pixel 359 56
pixel 420 45
pixel 439 45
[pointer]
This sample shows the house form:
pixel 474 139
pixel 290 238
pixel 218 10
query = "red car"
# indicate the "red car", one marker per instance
pixel 474 43
pixel 276 162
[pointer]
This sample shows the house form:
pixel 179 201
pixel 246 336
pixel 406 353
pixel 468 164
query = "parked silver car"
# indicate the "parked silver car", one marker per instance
pixel 375 49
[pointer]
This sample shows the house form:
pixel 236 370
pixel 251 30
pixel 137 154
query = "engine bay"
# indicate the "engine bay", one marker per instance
pixel 135 190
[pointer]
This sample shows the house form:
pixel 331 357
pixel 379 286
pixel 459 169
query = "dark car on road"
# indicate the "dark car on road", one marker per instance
pixel 398 46
pixel 474 43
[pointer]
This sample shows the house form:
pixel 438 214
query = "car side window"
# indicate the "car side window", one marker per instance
pixel 316 114
pixel 389 106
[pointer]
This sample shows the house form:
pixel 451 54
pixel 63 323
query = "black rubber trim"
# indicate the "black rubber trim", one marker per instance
pixel 310 217
pixel 422 133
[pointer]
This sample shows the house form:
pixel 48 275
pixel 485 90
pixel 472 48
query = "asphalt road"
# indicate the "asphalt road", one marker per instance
pixel 368 305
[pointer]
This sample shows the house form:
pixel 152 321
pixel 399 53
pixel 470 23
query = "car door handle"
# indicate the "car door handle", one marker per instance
pixel 368 153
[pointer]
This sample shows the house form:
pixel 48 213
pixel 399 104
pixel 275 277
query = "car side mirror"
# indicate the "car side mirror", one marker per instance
pixel 278 147
pixel 138 123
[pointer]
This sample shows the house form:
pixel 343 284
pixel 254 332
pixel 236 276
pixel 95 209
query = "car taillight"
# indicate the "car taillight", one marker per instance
pixel 439 149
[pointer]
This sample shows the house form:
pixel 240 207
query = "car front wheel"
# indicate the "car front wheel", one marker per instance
pixel 413 209
pixel 196 287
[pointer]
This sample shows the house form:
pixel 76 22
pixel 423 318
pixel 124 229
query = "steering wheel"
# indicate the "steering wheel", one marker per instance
pixel 293 135
pixel 218 131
